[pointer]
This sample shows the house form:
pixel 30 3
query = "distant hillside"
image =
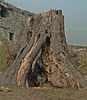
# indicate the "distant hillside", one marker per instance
pixel 79 55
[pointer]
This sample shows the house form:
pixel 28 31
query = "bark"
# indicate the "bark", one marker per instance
pixel 43 56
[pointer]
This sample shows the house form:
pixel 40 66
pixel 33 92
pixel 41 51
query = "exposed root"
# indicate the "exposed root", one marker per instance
pixel 4 89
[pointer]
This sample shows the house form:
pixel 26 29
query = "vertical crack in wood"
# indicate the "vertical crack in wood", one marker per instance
pixel 25 62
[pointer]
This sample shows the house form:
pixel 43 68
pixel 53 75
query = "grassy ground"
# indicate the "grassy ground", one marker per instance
pixel 19 93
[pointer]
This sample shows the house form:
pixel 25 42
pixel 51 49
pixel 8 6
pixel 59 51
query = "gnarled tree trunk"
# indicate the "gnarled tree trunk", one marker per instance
pixel 42 55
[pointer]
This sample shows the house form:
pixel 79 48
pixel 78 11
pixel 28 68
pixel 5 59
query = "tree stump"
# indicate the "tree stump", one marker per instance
pixel 42 55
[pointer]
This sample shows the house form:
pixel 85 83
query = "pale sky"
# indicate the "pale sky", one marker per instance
pixel 74 11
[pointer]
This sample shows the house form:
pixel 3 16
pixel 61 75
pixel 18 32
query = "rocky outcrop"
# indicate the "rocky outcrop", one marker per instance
pixel 42 56
pixel 10 22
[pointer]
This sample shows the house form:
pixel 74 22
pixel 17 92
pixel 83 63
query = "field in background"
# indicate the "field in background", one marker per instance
pixel 79 55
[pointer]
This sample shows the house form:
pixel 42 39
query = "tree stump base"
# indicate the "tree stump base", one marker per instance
pixel 42 56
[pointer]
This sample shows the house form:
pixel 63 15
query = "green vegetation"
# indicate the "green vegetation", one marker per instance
pixel 41 80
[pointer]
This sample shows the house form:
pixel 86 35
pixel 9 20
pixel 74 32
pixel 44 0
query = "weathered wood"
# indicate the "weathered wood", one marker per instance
pixel 25 63
pixel 5 89
pixel 43 55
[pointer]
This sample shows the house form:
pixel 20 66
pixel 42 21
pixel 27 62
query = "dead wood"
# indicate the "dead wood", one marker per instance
pixel 42 55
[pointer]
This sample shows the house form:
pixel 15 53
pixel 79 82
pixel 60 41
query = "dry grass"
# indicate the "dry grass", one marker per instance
pixel 19 93
pixel 81 59
pixel 6 58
